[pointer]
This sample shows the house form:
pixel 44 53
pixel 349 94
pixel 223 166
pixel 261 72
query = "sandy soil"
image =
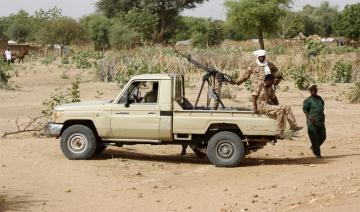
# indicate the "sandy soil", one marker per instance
pixel 35 176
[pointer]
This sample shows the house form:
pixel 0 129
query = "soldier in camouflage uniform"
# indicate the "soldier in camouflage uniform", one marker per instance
pixel 256 72
pixel 273 100
pixel 281 112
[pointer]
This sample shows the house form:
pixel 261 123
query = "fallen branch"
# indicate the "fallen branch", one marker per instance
pixel 27 128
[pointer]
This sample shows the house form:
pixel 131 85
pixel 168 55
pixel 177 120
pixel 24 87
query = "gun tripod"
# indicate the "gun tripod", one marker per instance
pixel 210 79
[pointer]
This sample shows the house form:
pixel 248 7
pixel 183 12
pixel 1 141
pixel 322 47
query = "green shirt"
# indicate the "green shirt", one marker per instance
pixel 314 106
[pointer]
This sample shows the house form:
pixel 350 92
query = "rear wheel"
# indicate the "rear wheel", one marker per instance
pixel 78 142
pixel 225 149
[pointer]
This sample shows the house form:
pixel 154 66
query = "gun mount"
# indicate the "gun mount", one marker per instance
pixel 214 80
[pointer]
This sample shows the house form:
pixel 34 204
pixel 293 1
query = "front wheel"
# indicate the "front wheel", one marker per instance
pixel 225 149
pixel 78 142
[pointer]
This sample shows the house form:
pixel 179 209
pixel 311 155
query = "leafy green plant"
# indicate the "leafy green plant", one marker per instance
pixel 353 96
pixel 4 73
pixel 313 48
pixel 301 77
pixel 342 72
pixel 48 60
pixel 278 49
pixel 65 60
pixel 70 95
pixel 87 59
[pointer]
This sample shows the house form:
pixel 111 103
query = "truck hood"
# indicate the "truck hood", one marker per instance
pixel 82 105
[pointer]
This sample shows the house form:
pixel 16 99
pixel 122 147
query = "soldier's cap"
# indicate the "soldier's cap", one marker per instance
pixel 313 87
pixel 269 77
pixel 278 75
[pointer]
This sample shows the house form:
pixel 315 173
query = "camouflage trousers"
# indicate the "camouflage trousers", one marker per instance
pixel 282 113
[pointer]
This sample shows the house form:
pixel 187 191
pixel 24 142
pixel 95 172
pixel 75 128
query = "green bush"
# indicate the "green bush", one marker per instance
pixel 122 37
pixel 87 59
pixel 301 77
pixel 353 95
pixel 4 73
pixel 313 48
pixel 342 72
pixel 70 95
pixel 48 59
pixel 278 49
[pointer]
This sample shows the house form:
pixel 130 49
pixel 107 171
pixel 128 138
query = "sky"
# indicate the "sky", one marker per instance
pixel 79 8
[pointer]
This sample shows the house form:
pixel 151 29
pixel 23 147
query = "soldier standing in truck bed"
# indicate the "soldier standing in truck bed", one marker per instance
pixel 257 71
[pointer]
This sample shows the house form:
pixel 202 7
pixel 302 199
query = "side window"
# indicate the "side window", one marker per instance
pixel 141 92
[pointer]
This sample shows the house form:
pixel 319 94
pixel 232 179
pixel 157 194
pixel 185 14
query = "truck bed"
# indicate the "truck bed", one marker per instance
pixel 198 121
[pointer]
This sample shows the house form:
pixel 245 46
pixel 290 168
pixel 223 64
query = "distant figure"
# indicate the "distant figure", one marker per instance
pixel 7 55
pixel 314 110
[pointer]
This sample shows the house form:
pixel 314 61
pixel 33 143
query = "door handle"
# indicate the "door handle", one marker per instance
pixel 122 113
pixel 151 113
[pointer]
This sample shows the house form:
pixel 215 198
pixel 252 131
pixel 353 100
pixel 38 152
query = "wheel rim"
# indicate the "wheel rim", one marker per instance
pixel 225 149
pixel 77 143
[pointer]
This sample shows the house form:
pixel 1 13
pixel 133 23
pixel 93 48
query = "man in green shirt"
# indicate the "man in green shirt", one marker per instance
pixel 314 110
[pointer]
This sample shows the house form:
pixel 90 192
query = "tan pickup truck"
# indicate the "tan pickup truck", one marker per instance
pixel 153 109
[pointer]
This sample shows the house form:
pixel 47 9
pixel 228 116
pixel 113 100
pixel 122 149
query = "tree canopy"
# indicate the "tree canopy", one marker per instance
pixel 348 23
pixel 256 16
pixel 166 10
pixel 62 31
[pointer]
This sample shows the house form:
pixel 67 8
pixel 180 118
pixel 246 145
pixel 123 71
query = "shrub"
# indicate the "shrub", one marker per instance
pixel 122 37
pixel 87 59
pixel 70 95
pixel 353 96
pixel 48 59
pixel 301 77
pixel 313 48
pixel 4 73
pixel 342 72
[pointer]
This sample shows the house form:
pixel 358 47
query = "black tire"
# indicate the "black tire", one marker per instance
pixel 225 149
pixel 78 142
pixel 100 148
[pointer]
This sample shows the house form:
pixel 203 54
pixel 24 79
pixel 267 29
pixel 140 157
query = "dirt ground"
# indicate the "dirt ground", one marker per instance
pixel 36 176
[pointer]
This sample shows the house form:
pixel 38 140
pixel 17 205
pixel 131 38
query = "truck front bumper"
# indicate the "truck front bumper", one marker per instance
pixel 53 130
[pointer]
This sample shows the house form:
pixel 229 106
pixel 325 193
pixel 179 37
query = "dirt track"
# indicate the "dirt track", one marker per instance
pixel 35 176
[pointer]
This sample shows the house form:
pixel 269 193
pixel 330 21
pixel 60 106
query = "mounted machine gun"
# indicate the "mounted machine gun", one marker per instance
pixel 214 80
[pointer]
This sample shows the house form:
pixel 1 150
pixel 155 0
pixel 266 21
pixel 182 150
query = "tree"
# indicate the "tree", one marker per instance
pixel 110 8
pixel 348 23
pixel 319 20
pixel 20 27
pixel 62 31
pixel 142 21
pixel 205 33
pixel 4 24
pixel 256 16
pixel 122 37
pixel 166 10
pixel 98 29
pixel 290 25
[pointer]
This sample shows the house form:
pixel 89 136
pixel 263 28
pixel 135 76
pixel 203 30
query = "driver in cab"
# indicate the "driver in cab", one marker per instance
pixel 151 96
